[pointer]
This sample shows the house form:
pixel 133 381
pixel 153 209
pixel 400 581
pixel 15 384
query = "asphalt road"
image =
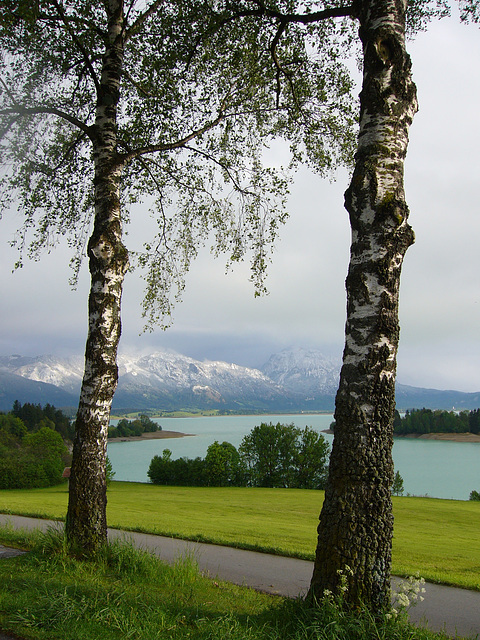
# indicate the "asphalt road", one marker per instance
pixel 455 611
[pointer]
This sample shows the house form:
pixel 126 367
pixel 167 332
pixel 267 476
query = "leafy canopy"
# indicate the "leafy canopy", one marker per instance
pixel 205 88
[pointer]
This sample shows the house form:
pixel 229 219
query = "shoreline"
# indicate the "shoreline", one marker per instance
pixel 451 437
pixel 151 435
pixel 447 437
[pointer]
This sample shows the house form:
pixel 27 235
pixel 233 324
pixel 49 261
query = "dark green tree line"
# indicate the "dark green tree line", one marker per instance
pixel 420 421
pixel 34 415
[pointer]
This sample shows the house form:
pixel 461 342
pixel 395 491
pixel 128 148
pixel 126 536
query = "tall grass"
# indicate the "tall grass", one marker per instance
pixel 127 593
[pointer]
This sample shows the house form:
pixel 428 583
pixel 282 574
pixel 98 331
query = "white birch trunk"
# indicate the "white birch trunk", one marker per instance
pixel 86 525
pixel 356 522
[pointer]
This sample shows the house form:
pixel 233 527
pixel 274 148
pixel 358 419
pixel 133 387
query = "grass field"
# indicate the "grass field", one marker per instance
pixel 440 539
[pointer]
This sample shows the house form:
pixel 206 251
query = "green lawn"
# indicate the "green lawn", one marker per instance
pixel 440 539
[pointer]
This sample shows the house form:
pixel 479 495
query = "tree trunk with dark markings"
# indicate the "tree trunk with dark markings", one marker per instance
pixel 356 523
pixel 86 524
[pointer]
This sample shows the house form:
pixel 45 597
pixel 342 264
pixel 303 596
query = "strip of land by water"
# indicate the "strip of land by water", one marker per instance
pixel 455 437
pixel 151 435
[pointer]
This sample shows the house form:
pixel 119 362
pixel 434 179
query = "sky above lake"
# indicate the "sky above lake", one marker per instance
pixel 219 317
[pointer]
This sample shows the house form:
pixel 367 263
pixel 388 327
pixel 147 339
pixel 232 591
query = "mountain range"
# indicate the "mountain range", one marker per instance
pixel 292 381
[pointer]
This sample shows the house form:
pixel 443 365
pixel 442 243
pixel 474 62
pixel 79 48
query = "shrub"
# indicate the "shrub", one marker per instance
pixel 183 472
pixel 270 456
pixel 285 456
pixel 37 460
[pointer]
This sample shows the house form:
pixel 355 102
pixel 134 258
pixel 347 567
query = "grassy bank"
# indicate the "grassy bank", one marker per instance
pixel 438 538
pixel 125 593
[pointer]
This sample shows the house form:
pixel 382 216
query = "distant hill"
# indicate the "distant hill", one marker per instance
pixel 291 381
pixel 418 398
pixel 315 377
pixel 15 387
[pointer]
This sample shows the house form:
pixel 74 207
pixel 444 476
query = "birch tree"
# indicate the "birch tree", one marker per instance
pixel 106 103
pixel 356 522
pixel 135 87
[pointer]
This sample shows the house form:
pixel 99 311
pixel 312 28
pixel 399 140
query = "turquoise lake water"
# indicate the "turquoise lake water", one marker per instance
pixel 428 467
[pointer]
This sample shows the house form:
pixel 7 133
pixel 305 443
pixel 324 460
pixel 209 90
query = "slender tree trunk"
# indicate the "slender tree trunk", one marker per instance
pixel 86 524
pixel 356 523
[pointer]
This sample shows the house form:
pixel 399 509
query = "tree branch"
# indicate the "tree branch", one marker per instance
pixel 141 19
pixel 299 18
pixel 179 144
pixel 223 166
pixel 160 201
pixel 263 11
pixel 273 50
pixel 137 85
pixel 78 44
pixel 70 148
pixel 29 111
pixel 280 69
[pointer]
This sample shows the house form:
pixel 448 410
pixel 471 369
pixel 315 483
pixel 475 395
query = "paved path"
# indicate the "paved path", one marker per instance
pixel 456 611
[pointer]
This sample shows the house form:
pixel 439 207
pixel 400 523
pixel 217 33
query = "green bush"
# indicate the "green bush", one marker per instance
pixel 270 456
pixel 34 460
pixel 285 456
pixel 183 472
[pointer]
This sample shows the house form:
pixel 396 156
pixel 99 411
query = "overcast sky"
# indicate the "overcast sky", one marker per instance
pixel 219 317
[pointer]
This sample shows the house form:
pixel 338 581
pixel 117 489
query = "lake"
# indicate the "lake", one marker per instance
pixel 439 469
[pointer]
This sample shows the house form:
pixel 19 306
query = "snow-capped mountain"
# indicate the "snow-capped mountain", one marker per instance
pixel 304 371
pixel 164 380
pixel 291 381
pixel 66 373
pixel 172 380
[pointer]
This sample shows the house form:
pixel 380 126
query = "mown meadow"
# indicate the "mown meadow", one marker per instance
pixel 439 539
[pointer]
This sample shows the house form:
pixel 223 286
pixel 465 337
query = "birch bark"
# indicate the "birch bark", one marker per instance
pixel 356 523
pixel 86 524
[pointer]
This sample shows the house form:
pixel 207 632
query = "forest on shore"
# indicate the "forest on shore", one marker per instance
pixel 424 421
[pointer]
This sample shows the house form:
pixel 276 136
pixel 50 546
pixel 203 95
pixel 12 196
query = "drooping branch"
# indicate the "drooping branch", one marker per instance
pixel 171 146
pixel 138 86
pixel 75 143
pixel 222 166
pixel 273 50
pixel 262 11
